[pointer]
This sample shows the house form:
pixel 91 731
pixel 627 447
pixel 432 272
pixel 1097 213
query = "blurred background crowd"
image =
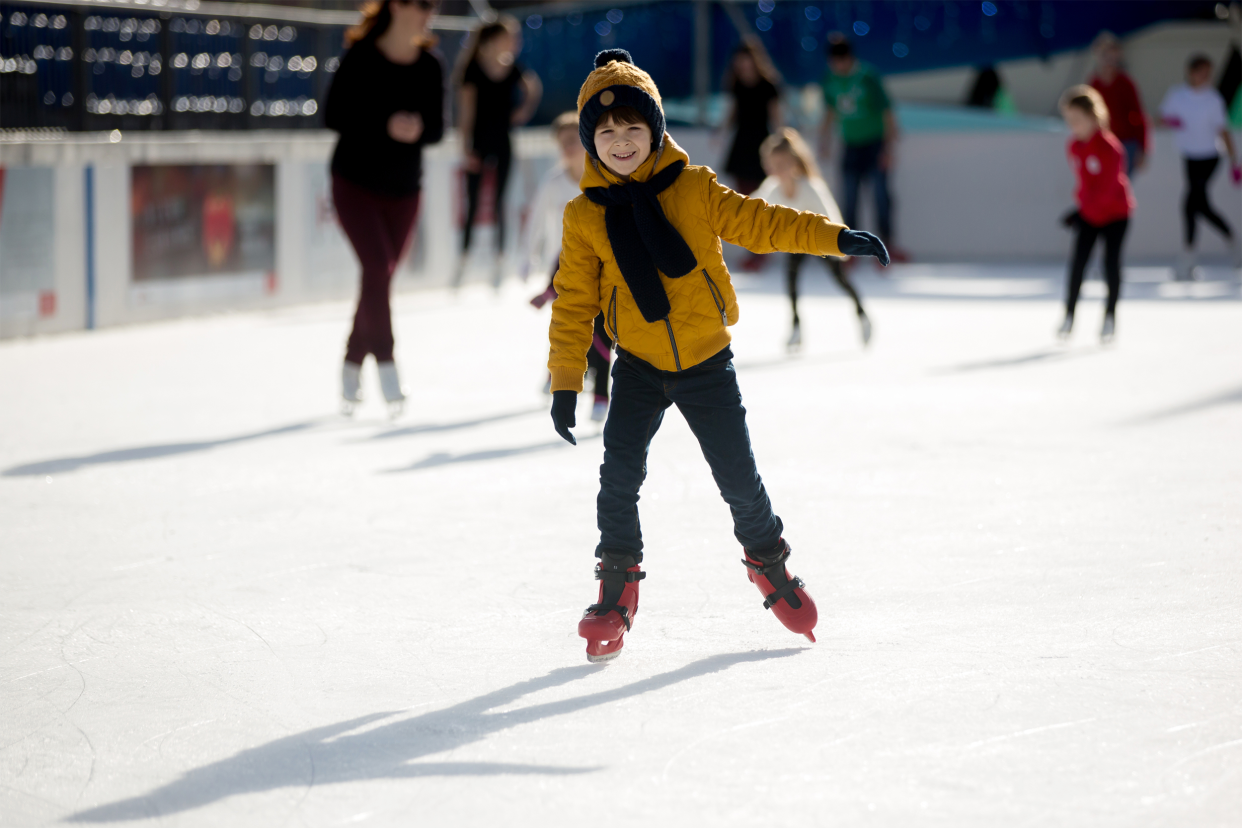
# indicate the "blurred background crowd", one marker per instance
pixel 163 157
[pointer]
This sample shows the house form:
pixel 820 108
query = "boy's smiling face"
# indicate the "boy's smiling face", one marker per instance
pixel 622 148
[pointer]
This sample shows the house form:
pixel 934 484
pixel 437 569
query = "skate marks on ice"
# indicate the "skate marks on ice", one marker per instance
pixel 383 746
pixel 63 465
pixel 443 458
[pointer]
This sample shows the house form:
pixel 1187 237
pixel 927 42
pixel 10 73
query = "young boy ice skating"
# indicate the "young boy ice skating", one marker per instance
pixel 794 181
pixel 642 244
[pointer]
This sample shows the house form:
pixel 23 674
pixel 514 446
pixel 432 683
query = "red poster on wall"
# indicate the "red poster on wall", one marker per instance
pixel 203 220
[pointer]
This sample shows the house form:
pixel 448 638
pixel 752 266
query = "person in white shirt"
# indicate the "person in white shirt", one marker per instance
pixel 541 239
pixel 1197 112
pixel 794 181
pixel 541 243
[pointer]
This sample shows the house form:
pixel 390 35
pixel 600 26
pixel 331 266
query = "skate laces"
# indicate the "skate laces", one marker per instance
pixel 777 576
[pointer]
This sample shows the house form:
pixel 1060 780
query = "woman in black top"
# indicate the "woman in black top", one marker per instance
pixel 755 113
pixel 490 78
pixel 387 102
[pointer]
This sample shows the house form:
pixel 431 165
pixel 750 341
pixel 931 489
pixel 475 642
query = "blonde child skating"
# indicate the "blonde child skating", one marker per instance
pixel 794 181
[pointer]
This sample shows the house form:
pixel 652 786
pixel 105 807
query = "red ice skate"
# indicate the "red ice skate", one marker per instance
pixel 782 593
pixel 605 624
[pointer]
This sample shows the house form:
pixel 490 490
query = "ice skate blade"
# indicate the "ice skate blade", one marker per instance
pixel 864 325
pixel 603 658
pixel 348 407
pixel 396 408
pixel 598 651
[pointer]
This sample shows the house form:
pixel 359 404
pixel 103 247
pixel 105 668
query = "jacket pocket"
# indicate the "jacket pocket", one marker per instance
pixel 610 318
pixel 717 298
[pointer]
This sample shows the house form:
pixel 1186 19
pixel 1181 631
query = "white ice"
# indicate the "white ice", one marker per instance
pixel 223 604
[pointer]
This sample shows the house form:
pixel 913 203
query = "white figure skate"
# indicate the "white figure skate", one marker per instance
pixel 390 385
pixel 351 386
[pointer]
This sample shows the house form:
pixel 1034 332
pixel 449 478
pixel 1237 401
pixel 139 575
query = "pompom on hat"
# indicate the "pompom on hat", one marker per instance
pixel 617 82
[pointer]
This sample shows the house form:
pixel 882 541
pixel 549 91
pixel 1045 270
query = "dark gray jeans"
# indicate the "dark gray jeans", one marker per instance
pixel 708 397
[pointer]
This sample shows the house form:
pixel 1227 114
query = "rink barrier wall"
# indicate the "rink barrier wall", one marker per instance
pixel 89 269
pixel 959 196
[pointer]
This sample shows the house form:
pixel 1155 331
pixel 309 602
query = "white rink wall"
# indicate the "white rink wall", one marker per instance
pixel 966 196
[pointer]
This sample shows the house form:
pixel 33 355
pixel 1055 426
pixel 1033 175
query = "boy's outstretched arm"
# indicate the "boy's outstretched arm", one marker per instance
pixel 769 228
pixel 573 320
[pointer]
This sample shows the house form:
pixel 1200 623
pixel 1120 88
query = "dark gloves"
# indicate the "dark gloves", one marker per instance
pixel 1071 218
pixel 564 413
pixel 862 243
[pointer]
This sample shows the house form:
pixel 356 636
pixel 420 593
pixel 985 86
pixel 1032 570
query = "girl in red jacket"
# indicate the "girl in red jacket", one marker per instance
pixel 1103 196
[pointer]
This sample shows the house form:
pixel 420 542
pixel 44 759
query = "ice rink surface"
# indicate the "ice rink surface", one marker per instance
pixel 223 604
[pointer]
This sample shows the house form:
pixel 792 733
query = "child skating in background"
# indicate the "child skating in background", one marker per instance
pixel 488 81
pixel 794 181
pixel 541 244
pixel 643 244
pixel 1196 111
pixel 1103 196
pixel 387 102
pixel 541 241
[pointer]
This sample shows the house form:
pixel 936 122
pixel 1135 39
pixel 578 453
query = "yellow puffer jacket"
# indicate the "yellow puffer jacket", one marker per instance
pixel 704 304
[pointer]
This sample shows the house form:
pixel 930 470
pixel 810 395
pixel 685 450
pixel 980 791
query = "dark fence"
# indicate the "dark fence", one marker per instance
pixel 81 68
pixel 100 67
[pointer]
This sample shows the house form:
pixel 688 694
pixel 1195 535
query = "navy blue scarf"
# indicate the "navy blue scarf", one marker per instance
pixel 643 240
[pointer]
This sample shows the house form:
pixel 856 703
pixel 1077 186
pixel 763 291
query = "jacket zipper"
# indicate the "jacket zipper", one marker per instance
pixel 717 298
pixel 612 316
pixel 673 340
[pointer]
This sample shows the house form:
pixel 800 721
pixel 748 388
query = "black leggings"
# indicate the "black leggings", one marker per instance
pixel 1198 172
pixel 1113 234
pixel 498 160
pixel 838 273
pixel 378 227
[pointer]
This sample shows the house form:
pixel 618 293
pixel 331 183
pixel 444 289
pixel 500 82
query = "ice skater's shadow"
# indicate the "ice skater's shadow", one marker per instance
pixel 63 465
pixel 1044 355
pixel 1232 396
pixel 369 748
pixel 798 358
pixel 443 458
pixel 428 428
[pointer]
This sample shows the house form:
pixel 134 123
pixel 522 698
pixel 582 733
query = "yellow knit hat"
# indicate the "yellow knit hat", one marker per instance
pixel 617 82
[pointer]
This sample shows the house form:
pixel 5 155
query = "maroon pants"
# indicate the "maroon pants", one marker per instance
pixel 379 227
